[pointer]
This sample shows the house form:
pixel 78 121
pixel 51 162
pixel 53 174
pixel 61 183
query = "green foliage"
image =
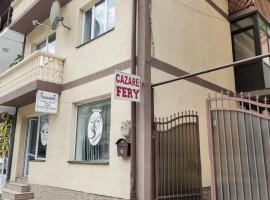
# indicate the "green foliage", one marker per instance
pixel 16 61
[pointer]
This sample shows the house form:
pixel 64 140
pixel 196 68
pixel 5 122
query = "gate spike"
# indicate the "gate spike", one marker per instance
pixel 257 98
pixel 265 100
pixel 241 94
pixel 249 96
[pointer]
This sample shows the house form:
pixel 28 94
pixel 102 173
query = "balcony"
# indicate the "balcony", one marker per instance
pixel 25 11
pixel 40 71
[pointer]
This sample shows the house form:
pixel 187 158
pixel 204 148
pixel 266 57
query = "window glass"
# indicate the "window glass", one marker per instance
pixel 32 134
pixel 93 131
pixel 43 136
pixel 100 19
pixel 51 43
pixel 42 46
pixel 47 45
pixel 111 14
pixel 244 46
pixel 242 23
pixel 87 25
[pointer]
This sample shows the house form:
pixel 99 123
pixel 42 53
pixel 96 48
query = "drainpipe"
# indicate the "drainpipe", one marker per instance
pixel 133 104
pixel 23 49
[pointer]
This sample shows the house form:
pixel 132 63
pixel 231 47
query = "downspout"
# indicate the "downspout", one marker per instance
pixel 133 104
pixel 23 50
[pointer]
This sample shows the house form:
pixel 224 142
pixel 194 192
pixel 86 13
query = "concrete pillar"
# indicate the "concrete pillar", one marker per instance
pixel 143 133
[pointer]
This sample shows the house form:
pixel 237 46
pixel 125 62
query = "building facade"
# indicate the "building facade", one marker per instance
pixel 72 154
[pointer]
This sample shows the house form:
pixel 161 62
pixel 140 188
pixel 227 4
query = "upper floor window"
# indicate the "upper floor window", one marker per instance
pixel 47 45
pixel 251 37
pixel 98 20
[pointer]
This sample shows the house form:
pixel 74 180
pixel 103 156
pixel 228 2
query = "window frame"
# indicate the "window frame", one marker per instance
pixel 74 160
pixel 46 40
pixel 36 157
pixel 93 8
pixel 258 48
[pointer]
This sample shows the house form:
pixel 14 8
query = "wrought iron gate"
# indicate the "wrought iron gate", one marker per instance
pixel 240 146
pixel 177 157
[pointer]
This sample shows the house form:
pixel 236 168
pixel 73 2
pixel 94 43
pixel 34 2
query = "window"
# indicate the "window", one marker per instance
pixel 93 131
pixel 98 20
pixel 47 45
pixel 250 37
pixel 37 137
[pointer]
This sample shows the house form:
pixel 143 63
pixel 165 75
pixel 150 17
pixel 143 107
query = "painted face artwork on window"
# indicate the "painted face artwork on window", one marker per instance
pixel 95 127
pixel 44 134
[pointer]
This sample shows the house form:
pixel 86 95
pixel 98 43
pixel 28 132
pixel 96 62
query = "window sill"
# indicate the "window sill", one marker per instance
pixel 37 160
pixel 94 38
pixel 89 162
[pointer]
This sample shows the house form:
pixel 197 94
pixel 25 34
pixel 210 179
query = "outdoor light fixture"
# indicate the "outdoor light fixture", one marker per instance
pixel 126 129
pixel 5 50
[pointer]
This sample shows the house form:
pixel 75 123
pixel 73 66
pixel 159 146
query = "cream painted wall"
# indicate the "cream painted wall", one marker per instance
pixel 56 171
pixel 103 52
pixel 188 34
pixel 192 36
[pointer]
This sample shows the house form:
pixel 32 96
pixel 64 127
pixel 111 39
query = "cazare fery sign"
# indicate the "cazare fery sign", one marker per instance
pixel 46 102
pixel 127 87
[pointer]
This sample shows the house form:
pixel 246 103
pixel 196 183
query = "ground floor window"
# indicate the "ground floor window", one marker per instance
pixel 93 131
pixel 36 140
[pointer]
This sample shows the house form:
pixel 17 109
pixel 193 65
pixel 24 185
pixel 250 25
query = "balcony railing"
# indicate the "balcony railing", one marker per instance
pixel 20 7
pixel 39 66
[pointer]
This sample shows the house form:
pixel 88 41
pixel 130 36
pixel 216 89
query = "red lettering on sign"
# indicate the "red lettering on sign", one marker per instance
pixel 118 91
pixel 129 93
pixel 136 92
pixel 117 78
pixel 124 92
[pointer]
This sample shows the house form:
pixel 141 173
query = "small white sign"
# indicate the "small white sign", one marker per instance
pixel 46 102
pixel 127 86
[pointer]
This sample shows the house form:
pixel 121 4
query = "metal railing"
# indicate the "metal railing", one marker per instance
pixel 177 157
pixel 20 6
pixel 39 66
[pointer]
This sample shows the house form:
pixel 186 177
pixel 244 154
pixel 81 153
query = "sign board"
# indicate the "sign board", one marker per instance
pixel 46 102
pixel 127 87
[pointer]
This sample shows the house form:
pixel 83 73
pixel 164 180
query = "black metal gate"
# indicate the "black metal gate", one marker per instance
pixel 177 157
